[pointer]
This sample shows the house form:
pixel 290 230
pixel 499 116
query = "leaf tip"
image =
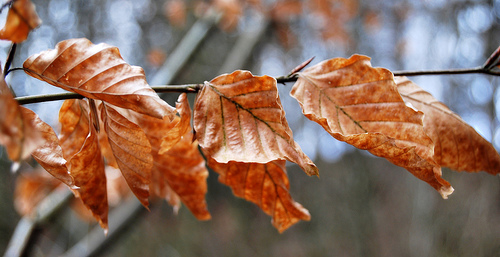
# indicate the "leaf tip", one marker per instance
pixel 445 191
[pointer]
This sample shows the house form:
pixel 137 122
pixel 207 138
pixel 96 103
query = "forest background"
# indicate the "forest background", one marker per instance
pixel 361 205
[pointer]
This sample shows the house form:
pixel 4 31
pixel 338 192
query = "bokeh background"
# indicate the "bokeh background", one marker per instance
pixel 362 205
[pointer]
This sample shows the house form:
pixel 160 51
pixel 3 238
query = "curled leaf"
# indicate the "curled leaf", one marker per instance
pixel 97 72
pixel 80 146
pixel 360 105
pixel 179 172
pixel 50 154
pixel 18 132
pixel 265 185
pixel 239 117
pixel 21 19
pixel 457 145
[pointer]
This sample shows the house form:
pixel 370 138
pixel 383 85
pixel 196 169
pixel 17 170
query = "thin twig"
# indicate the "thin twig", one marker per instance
pixel 447 72
pixel 189 88
pixel 10 58
pixel 7 4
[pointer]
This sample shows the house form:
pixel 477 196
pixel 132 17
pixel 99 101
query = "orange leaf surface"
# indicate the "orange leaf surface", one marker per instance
pixel 31 188
pixel 179 172
pixel 81 148
pixel 265 185
pixel 97 72
pixel 18 133
pixel 50 154
pixel 131 150
pixel 239 117
pixel 21 19
pixel 457 145
pixel 360 105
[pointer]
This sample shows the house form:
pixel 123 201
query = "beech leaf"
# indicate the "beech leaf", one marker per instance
pixel 457 145
pixel 50 154
pixel 18 133
pixel 265 184
pixel 31 188
pixel 179 172
pixel 131 150
pixel 97 72
pixel 360 105
pixel 84 157
pixel 239 117
pixel 21 19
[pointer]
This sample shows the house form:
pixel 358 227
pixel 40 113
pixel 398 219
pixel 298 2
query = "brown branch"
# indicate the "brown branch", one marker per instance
pixel 194 88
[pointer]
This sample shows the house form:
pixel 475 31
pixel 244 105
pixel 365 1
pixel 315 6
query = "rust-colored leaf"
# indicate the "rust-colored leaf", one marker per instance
pixel 360 105
pixel 265 185
pixel 181 125
pixel 31 188
pixel 80 146
pixel 179 172
pixel 457 145
pixel 131 150
pixel 231 11
pixel 183 170
pixel 176 12
pixel 21 19
pixel 97 72
pixel 50 154
pixel 17 129
pixel 239 117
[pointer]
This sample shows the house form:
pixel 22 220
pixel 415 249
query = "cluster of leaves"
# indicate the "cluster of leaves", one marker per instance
pixel 239 124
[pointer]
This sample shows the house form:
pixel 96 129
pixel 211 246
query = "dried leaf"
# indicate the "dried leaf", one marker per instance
pixel 179 172
pixel 31 188
pixel 21 19
pixel 231 12
pixel 239 117
pixel 457 145
pixel 131 150
pixel 97 72
pixel 265 185
pixel 182 168
pixel 50 154
pixel 81 148
pixel 18 132
pixel 360 105
pixel 175 12
pixel 181 125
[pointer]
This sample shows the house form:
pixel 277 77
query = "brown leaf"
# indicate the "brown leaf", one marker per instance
pixel 97 72
pixel 239 117
pixel 175 12
pixel 360 105
pixel 50 154
pixel 31 188
pixel 265 185
pixel 231 12
pixel 81 148
pixel 131 150
pixel 457 145
pixel 182 125
pixel 18 132
pixel 182 168
pixel 179 172
pixel 21 19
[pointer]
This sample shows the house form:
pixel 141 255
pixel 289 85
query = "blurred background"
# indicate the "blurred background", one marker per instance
pixel 362 205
